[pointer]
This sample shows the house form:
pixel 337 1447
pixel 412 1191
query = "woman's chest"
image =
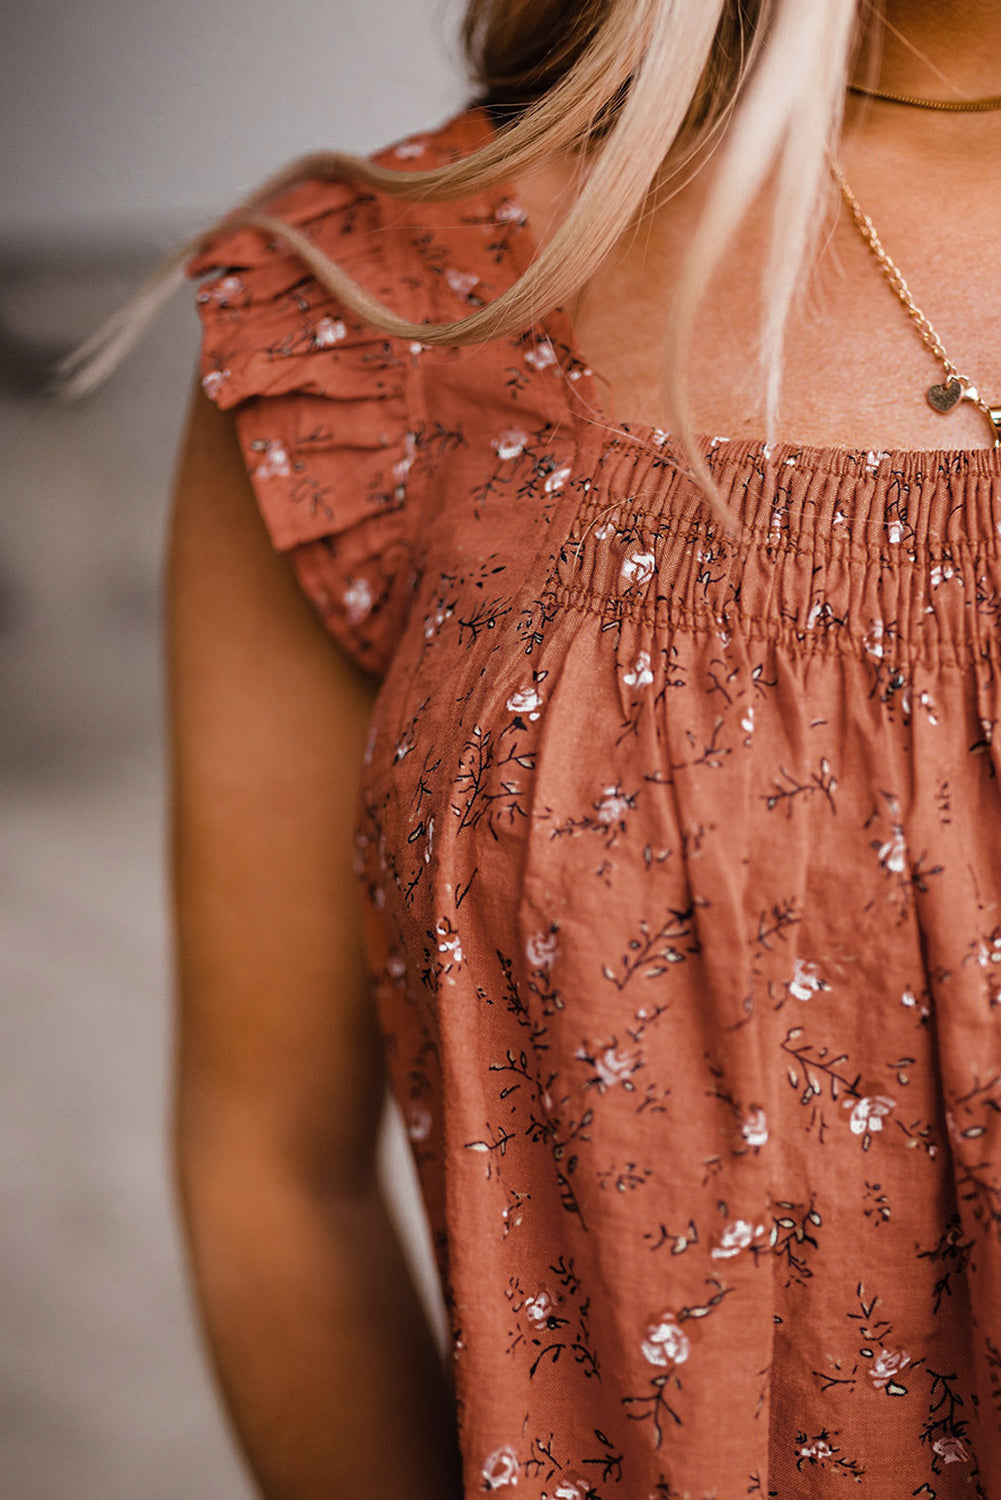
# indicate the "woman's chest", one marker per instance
pixel 855 369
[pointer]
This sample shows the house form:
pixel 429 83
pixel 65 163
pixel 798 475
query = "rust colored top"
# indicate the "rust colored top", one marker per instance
pixel 681 865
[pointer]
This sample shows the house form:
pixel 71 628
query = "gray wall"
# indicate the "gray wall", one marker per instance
pixel 122 116
pixel 123 124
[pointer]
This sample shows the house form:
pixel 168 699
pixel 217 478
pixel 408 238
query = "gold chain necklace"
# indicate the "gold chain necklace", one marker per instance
pixel 959 106
pixel 945 396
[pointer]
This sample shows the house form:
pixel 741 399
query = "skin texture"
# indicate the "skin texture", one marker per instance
pixel 325 1358
pixel 856 371
pixel 323 1353
pixel 946 49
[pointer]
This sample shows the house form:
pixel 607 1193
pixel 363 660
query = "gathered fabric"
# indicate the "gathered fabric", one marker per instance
pixel 680 857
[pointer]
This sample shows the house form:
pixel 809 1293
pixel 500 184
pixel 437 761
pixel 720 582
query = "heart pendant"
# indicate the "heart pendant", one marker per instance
pixel 943 398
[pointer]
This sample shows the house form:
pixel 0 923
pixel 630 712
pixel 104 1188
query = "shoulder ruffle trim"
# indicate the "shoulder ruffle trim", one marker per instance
pixel 329 411
pixel 326 407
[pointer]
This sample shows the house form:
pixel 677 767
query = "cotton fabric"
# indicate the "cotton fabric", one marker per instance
pixel 680 855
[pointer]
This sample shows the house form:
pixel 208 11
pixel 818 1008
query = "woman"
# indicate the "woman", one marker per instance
pixel 678 832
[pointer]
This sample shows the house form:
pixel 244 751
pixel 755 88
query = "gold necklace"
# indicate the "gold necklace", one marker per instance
pixel 946 395
pixel 958 106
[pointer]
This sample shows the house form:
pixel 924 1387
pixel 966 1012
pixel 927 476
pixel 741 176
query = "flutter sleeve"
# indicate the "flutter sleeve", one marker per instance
pixel 326 408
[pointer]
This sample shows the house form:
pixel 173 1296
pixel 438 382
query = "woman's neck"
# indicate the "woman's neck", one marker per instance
pixel 936 49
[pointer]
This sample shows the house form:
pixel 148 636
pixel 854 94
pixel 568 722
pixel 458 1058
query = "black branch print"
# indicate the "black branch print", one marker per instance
pixel 655 949
pixel 789 788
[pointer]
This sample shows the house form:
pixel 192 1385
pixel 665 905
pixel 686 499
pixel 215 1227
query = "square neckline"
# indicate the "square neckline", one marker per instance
pixel 658 442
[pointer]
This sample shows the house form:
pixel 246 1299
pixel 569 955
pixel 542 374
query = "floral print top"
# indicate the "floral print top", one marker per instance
pixel 681 863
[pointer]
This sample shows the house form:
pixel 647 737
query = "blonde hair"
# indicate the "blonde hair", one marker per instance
pixel 643 91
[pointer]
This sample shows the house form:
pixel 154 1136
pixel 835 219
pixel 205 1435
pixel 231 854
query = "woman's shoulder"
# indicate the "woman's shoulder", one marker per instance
pixel 270 325
pixel 449 141
pixel 330 410
pixel 350 219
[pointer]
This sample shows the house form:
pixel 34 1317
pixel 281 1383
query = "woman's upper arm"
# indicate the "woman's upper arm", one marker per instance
pixel 268 717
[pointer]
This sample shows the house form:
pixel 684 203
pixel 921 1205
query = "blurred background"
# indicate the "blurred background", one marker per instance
pixel 124 125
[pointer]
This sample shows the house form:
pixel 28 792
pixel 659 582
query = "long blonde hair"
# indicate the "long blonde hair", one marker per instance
pixel 644 90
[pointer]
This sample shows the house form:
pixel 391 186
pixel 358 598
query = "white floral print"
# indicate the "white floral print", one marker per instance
pixel 818 1450
pixel 638 567
pixel 275 464
pixel 613 1066
pixel 462 282
pixel 806 981
pixel 664 1343
pixel 571 1487
pixel 754 1128
pixel 874 640
pixel 738 1236
pixel 924 701
pixel 542 357
pixel 225 291
pixel 639 675
pixel 613 806
pixel 989 950
pixel 501 1469
pixel 402 467
pixel 436 619
pixel 510 444
pixel 951 1450
pixel 892 854
pixel 214 382
pixel 527 701
pixel 869 1113
pixel 358 599
pixel 887 1366
pixel 328 332
pixel 540 1308
pixel 448 940
pixel 418 1122
pixel 541 949
pixel 405 743
pixel 911 1001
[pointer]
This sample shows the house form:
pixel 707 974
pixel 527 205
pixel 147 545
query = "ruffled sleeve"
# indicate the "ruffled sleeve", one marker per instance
pixel 326 408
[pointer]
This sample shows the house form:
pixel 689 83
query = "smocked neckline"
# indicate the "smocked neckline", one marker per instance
pixel 584 400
